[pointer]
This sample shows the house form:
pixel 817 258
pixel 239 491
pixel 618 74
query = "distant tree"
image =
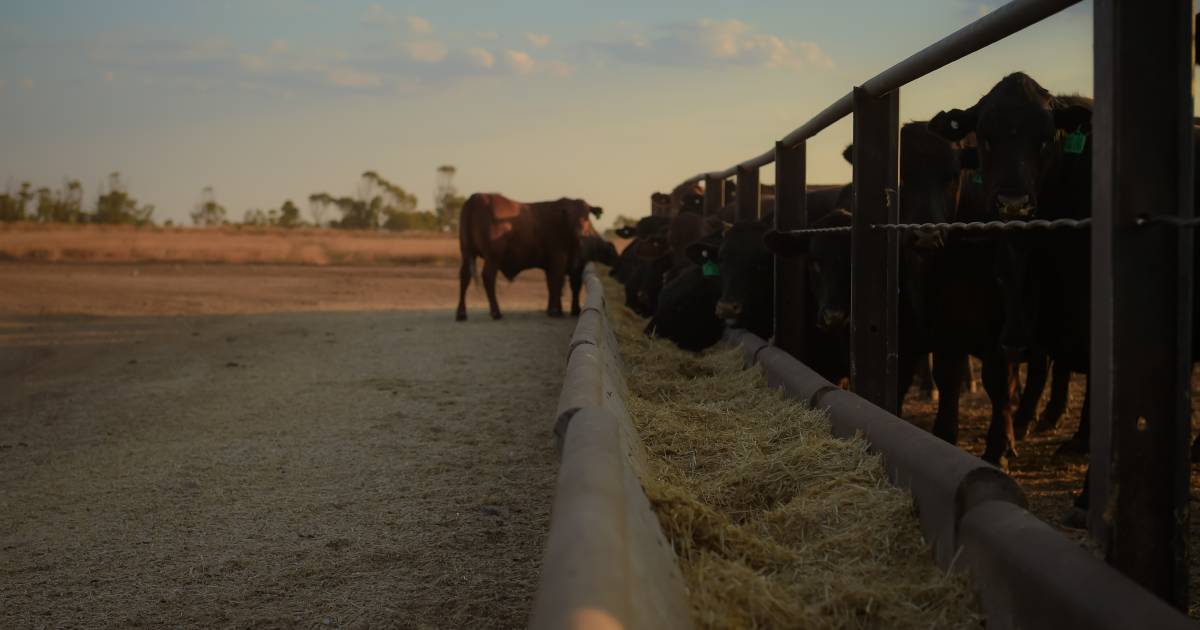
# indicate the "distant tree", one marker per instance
pixel 318 205
pixel 208 212
pixel 289 215
pixel 447 202
pixel 255 217
pixel 378 202
pixel 61 206
pixel 115 206
pixel 13 203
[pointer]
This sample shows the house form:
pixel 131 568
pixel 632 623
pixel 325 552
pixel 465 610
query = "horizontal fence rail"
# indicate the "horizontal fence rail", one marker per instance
pixel 991 28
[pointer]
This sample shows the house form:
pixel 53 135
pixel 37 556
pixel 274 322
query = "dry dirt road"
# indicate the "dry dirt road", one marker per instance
pixel 216 447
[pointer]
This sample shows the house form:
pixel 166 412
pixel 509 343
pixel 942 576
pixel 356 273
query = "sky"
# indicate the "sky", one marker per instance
pixel 267 100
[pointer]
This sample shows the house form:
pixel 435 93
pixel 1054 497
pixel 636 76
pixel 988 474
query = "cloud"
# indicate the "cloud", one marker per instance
pixel 479 58
pixel 109 76
pixel 488 35
pixel 348 77
pixel 520 62
pixel 429 51
pixel 280 46
pixel 418 25
pixel 254 63
pixel 27 84
pixel 539 40
pixel 377 15
pixel 722 42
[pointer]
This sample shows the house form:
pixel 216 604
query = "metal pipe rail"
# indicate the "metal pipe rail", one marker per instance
pixel 991 28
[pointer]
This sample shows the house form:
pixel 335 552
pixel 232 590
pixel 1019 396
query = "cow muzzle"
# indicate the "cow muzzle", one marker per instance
pixel 1014 207
pixel 729 310
pixel 929 239
pixel 831 319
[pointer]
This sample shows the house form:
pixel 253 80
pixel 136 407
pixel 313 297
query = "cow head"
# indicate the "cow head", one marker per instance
pixel 578 209
pixel 828 263
pixel 650 259
pixel 1021 129
pixel 694 203
pixel 660 204
pixel 626 231
pixel 746 270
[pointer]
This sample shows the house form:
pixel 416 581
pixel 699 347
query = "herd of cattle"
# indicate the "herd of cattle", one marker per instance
pixel 1008 298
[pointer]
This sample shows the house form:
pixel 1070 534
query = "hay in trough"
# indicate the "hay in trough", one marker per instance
pixel 777 524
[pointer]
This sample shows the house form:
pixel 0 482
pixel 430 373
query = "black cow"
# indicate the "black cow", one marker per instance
pixel 1035 161
pixel 686 312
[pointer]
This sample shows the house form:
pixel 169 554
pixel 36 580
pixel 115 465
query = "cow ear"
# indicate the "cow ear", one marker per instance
pixel 596 211
pixel 1072 118
pixel 953 125
pixel 848 154
pixel 786 245
pixel 700 252
pixel 968 158
pixel 625 231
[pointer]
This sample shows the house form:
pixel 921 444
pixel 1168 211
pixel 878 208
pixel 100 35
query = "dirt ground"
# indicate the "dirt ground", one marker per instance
pixel 235 446
pixel 1051 481
pixel 229 244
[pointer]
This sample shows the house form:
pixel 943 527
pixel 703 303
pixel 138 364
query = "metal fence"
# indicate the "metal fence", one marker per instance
pixel 1141 257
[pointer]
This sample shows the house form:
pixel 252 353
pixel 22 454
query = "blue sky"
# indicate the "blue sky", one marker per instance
pixel 271 99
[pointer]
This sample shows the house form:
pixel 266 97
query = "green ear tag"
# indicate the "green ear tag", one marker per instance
pixel 1074 142
pixel 711 268
pixel 977 178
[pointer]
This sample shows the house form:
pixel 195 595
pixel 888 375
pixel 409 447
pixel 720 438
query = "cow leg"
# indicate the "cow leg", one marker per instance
pixel 924 378
pixel 969 383
pixel 1001 441
pixel 464 279
pixel 1060 382
pixel 489 285
pixel 947 375
pixel 1031 394
pixel 906 366
pixel 576 285
pixel 1080 443
pixel 555 273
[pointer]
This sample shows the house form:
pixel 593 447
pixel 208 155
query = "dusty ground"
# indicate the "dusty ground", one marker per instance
pixel 230 244
pixel 1051 481
pixel 270 447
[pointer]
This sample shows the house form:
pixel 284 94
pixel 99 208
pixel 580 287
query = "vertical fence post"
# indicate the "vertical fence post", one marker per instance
pixel 791 213
pixel 874 289
pixel 748 193
pixel 714 195
pixel 1141 291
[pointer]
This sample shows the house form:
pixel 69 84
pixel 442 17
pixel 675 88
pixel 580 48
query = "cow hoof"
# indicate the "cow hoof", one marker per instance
pixel 1073 446
pixel 496 315
pixel 1047 423
pixel 555 314
pixel 1075 518
pixel 460 317
pixel 575 312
